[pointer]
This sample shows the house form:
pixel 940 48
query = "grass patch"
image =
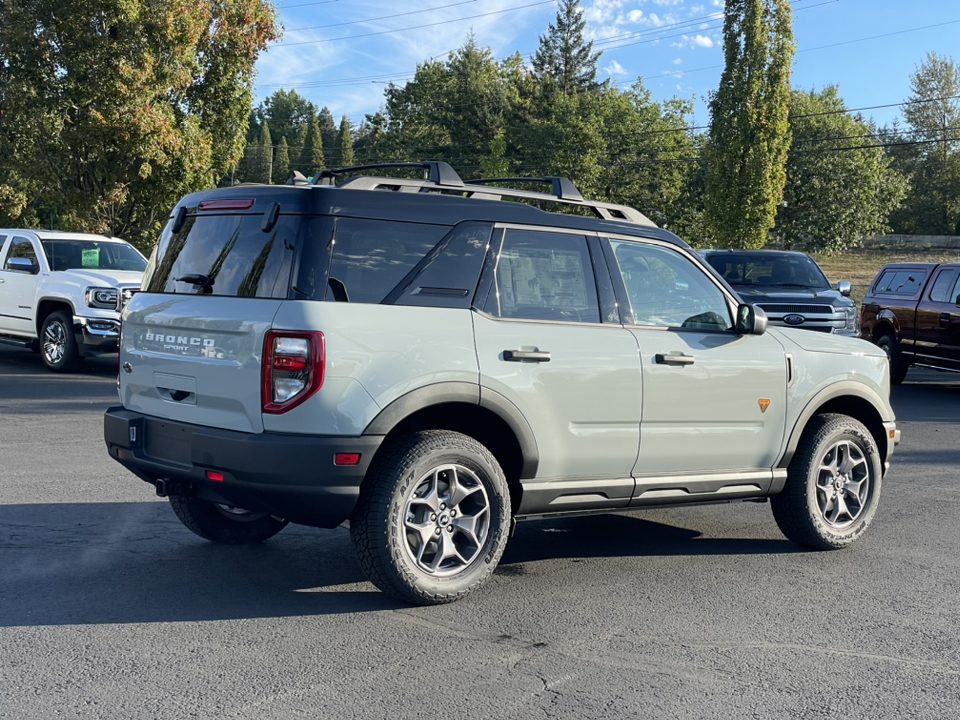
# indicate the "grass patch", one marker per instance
pixel 859 266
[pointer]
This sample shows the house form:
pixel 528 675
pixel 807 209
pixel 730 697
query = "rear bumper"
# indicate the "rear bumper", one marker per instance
pixel 290 476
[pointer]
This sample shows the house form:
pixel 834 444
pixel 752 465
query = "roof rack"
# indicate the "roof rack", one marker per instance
pixel 439 173
pixel 440 177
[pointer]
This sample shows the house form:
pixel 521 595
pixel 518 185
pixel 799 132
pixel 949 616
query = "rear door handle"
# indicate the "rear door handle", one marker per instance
pixel 518 355
pixel 673 358
pixel 944 317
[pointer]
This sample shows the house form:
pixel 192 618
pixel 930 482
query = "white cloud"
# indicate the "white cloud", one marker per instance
pixel 678 61
pixel 698 40
pixel 615 68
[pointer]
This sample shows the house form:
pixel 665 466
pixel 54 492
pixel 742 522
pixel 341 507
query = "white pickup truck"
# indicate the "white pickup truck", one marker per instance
pixel 61 293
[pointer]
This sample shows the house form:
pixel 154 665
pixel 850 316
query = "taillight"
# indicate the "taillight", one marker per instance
pixel 292 369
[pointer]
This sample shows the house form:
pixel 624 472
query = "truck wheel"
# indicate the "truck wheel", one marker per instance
pixel 898 368
pixel 433 518
pixel 58 345
pixel 225 524
pixel 833 485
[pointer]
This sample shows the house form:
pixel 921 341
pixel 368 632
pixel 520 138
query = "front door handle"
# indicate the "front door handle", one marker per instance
pixel 518 355
pixel 944 317
pixel 673 358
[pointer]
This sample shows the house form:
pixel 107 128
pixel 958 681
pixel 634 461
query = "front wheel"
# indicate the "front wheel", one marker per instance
pixel 58 346
pixel 225 524
pixel 833 485
pixel 432 520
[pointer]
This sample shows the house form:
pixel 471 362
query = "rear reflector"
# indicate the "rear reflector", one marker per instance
pixel 214 476
pixel 240 204
pixel 346 459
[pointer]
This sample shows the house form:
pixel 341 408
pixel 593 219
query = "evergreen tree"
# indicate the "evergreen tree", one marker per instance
pixel 328 134
pixel 563 55
pixel 311 155
pixel 261 169
pixel 749 135
pixel 344 147
pixel 281 161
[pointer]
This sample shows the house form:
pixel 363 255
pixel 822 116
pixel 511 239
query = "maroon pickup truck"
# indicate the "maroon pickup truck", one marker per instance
pixel 912 311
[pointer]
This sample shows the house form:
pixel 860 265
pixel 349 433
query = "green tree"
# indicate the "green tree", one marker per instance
pixel 281 162
pixel 108 115
pixel 749 136
pixel 328 134
pixel 261 167
pixel 311 155
pixel 840 183
pixel 930 150
pixel 344 147
pixel 564 56
pixel 288 115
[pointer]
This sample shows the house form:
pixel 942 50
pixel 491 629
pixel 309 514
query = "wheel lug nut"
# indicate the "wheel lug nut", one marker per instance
pixel 443 506
pixel 438 531
pixel 453 513
pixel 433 517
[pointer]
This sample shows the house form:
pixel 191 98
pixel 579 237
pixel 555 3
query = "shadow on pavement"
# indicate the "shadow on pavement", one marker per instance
pixel 70 564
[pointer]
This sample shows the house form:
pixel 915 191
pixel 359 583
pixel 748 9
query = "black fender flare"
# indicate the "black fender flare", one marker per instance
pixel 462 392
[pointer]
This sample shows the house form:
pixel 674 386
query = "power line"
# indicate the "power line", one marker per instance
pixel 416 27
pixel 383 17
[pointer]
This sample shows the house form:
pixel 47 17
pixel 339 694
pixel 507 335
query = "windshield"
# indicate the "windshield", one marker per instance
pixel 769 270
pixel 92 255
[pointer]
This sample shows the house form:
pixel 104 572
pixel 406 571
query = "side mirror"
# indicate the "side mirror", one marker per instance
pixel 844 287
pixel 751 320
pixel 26 265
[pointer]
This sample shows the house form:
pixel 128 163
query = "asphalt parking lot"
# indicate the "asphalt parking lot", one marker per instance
pixel 109 608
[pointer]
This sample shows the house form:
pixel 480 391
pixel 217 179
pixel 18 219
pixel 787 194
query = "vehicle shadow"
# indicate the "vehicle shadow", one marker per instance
pixel 26 361
pixel 96 563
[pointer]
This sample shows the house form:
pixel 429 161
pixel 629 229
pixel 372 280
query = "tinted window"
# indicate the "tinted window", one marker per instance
pixel 224 255
pixel 943 286
pixel 370 257
pixel 769 269
pixel 20 248
pixel 546 276
pixel 667 289
pixel 900 282
pixel 92 254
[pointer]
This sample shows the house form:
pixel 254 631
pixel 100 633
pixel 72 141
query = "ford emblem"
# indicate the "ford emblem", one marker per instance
pixel 794 319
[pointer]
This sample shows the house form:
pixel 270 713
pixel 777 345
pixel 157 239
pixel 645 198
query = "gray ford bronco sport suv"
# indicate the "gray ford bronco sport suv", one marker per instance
pixel 434 360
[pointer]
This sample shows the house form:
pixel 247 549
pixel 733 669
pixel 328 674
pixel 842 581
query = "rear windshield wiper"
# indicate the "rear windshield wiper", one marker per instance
pixel 203 283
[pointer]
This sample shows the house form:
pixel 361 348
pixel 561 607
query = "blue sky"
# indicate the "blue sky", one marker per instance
pixel 342 53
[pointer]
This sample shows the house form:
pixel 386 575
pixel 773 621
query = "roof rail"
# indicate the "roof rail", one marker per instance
pixel 440 173
pixel 563 189
pixel 443 178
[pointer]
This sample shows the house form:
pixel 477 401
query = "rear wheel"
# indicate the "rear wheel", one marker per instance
pixel 898 367
pixel 58 345
pixel 225 524
pixel 833 485
pixel 432 520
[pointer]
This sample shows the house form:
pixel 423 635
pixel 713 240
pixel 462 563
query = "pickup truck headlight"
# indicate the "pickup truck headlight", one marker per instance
pixel 852 323
pixel 101 297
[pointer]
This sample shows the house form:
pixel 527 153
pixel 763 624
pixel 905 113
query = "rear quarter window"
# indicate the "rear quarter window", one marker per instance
pixel 904 282
pixel 371 257
pixel 237 257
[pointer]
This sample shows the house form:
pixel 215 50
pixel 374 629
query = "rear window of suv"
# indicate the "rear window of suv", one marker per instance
pixel 224 255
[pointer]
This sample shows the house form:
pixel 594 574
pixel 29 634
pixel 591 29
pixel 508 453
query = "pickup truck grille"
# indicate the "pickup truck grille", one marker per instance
pixel 822 318
pixel 123 297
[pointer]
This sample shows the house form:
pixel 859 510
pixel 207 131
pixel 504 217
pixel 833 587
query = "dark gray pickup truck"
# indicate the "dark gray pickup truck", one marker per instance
pixel 790 287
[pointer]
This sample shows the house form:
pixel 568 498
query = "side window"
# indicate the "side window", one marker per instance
pixel 900 282
pixel 667 289
pixel 370 257
pixel 545 276
pixel 943 285
pixel 20 247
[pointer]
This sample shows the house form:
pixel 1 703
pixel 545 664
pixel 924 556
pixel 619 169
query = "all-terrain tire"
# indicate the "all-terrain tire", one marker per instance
pixel 433 517
pixel 833 484
pixel 224 524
